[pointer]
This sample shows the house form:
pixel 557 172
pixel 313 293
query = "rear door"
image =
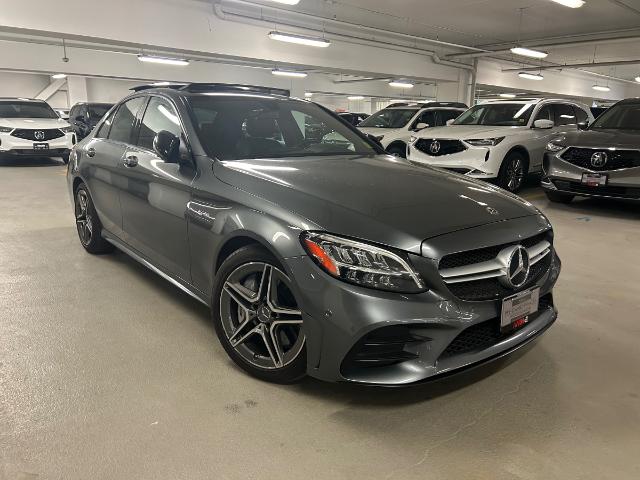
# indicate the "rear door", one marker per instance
pixel 101 160
pixel 154 202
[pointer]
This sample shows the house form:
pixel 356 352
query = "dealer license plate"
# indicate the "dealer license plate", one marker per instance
pixel 594 179
pixel 517 308
pixel 41 146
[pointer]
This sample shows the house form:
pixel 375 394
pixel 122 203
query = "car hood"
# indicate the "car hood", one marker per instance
pixel 376 132
pixel 462 132
pixel 377 198
pixel 602 138
pixel 33 122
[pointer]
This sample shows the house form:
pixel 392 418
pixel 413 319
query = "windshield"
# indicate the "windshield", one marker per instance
pixel 234 127
pixel 619 117
pixel 17 109
pixel 389 118
pixel 497 114
pixel 96 112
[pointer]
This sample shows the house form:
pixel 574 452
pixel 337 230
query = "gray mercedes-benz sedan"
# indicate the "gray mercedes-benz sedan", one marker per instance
pixel 317 252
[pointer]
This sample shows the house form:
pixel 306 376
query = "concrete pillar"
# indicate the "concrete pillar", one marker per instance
pixel 77 89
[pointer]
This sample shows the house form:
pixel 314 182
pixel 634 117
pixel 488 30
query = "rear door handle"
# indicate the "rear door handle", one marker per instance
pixel 130 161
pixel 91 152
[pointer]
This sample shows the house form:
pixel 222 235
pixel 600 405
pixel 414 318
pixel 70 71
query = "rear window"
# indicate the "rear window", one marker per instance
pixel 17 109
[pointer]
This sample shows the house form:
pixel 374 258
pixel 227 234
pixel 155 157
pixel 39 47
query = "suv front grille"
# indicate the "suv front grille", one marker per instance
pixel 30 134
pixel 616 159
pixel 446 147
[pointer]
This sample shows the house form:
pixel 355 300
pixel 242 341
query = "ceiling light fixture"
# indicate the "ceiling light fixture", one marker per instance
pixel 58 76
pixel 601 88
pixel 508 95
pixel 355 97
pixel 528 52
pixel 299 39
pixel 160 84
pixel 570 3
pixel 288 73
pixel 308 94
pixel 163 60
pixel 638 78
pixel 400 84
pixel 531 76
pixel 287 2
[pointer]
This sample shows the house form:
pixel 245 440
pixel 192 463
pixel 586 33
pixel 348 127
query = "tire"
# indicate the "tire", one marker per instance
pixel 65 158
pixel 88 224
pixel 258 322
pixel 558 197
pixel 513 172
pixel 398 150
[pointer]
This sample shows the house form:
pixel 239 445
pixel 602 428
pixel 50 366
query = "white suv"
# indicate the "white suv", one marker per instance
pixel 394 125
pixel 31 127
pixel 499 140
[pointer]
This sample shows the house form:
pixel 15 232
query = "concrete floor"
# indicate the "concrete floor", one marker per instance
pixel 108 372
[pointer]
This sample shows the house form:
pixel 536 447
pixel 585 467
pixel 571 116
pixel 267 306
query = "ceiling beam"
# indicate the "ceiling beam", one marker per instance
pixel 574 65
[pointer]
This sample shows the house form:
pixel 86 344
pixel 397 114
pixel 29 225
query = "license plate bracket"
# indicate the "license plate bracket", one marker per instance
pixel 595 179
pixel 517 308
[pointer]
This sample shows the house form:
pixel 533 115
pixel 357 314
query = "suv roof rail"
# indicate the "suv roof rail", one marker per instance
pixel 429 104
pixel 217 87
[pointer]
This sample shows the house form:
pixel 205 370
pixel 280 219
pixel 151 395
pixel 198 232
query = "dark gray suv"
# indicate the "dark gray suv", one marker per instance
pixel 318 254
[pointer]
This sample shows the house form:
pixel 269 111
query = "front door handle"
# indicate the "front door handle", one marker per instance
pixel 130 161
pixel 91 152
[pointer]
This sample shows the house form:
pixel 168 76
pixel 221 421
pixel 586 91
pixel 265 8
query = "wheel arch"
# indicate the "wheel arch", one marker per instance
pixel 522 150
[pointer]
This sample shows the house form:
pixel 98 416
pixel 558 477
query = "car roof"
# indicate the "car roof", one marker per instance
pixel 21 99
pixel 204 88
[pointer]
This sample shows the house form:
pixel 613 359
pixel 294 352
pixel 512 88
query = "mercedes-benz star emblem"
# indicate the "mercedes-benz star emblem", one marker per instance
pixel 518 263
pixel 434 147
pixel 599 159
pixel 38 135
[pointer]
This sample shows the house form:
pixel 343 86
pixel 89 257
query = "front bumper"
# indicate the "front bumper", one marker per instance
pixel 340 318
pixel 14 146
pixel 476 162
pixel 564 177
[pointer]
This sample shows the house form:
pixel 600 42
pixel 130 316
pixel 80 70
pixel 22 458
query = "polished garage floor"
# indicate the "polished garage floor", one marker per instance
pixel 108 372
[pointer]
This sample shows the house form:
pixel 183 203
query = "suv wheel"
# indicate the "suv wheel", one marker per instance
pixel 88 224
pixel 257 317
pixel 558 197
pixel 398 150
pixel 513 172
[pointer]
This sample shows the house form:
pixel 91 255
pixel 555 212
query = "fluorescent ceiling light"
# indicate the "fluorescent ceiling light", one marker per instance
pixel 288 73
pixel 508 95
pixel 400 84
pixel 166 61
pixel 528 52
pixel 601 88
pixel 160 84
pixel 286 2
pixel 299 39
pixel 355 97
pixel 570 3
pixel 58 76
pixel 531 76
pixel 308 94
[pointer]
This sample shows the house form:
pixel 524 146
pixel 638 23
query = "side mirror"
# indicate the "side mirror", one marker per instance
pixel 450 121
pixel 421 126
pixel 543 124
pixel 583 125
pixel 167 146
pixel 375 140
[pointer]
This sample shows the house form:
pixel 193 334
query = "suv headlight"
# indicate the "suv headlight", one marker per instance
pixel 554 147
pixel 362 264
pixel 67 129
pixel 5 129
pixel 485 142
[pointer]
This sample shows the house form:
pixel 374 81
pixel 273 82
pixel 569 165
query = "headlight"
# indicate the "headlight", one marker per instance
pixel 5 129
pixel 485 142
pixel 362 264
pixel 67 129
pixel 554 147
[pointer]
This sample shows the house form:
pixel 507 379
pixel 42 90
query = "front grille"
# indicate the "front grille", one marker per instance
pixel 491 288
pixel 616 159
pixel 607 191
pixel 486 334
pixel 446 147
pixel 30 134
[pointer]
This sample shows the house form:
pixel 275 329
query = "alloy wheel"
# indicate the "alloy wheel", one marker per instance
pixel 260 316
pixel 84 220
pixel 515 174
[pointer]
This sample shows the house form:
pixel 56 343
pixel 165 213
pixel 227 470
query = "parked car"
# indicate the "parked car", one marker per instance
pixel 31 128
pixel 602 161
pixel 501 141
pixel 63 113
pixel 84 116
pixel 353 118
pixel 393 126
pixel 331 259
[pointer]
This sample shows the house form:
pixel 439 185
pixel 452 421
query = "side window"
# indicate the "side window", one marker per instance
pixel 428 117
pixel 446 115
pixel 103 131
pixel 159 115
pixel 125 120
pixel 581 115
pixel 544 114
pixel 564 114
